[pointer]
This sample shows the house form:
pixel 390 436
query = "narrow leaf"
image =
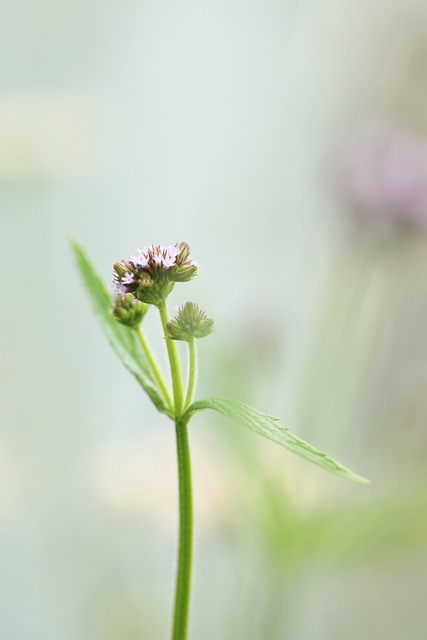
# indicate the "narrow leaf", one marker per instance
pixel 270 428
pixel 121 338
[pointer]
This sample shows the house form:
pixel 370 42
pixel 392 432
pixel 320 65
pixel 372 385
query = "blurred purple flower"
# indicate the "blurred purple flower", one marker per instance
pixel 384 172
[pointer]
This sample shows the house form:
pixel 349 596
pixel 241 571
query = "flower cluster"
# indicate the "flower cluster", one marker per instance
pixel 150 276
pixel 190 322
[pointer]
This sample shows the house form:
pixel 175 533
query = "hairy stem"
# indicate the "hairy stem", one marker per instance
pixel 192 373
pixel 154 367
pixel 173 362
pixel 185 545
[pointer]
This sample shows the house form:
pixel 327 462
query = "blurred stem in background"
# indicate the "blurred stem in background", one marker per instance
pixel 358 318
pixel 348 335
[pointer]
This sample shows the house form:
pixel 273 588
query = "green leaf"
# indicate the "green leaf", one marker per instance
pixel 121 338
pixel 269 427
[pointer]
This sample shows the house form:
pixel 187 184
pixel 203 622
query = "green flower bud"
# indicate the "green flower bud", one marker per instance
pixel 184 252
pixel 128 310
pixel 190 322
pixel 185 272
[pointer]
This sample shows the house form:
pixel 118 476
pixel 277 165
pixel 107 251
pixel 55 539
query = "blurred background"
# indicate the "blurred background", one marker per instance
pixel 287 143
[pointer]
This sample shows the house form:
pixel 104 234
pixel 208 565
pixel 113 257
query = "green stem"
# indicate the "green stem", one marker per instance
pixel 185 551
pixel 154 367
pixel 173 362
pixel 183 572
pixel 192 372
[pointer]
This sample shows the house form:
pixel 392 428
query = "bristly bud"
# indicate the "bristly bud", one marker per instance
pixel 185 268
pixel 150 276
pixel 128 310
pixel 190 322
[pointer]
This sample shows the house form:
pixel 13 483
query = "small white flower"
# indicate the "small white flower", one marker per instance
pixel 127 278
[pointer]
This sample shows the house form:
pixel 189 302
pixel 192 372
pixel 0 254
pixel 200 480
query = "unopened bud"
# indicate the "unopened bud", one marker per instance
pixel 128 310
pixel 190 322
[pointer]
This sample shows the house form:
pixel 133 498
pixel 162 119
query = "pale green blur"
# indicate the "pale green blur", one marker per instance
pixel 218 124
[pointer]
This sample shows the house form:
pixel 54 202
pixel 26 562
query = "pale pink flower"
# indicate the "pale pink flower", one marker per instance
pixel 172 251
pixel 118 288
pixel 384 172
pixel 139 261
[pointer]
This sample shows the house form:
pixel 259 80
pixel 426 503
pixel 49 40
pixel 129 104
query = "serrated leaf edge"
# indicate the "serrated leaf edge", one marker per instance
pixel 251 418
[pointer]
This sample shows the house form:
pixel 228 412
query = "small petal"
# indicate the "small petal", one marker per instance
pixel 168 261
pixel 141 260
pixel 172 251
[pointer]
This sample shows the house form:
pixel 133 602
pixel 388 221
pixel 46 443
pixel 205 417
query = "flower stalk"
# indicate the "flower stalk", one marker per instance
pixel 154 367
pixel 192 373
pixel 185 534
pixel 185 539
pixel 173 362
